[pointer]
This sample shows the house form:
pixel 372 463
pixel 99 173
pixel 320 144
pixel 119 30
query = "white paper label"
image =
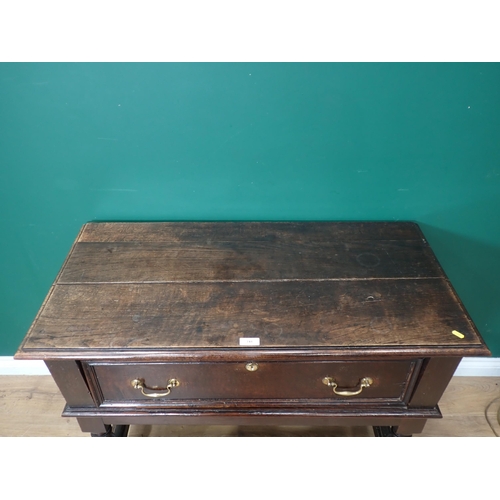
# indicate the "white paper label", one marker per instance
pixel 249 341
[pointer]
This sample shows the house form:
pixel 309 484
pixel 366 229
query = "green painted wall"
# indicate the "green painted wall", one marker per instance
pixel 82 142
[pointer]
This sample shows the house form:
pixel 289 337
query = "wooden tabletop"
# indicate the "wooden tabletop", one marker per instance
pixel 158 287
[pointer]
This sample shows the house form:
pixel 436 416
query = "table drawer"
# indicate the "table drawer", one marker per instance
pixel 325 380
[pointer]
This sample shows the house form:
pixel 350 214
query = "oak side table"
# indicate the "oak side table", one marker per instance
pixel 252 323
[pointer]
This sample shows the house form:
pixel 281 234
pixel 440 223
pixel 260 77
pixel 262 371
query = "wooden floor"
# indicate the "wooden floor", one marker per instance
pixel 32 405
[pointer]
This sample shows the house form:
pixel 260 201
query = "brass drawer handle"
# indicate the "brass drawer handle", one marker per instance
pixel 364 382
pixel 138 383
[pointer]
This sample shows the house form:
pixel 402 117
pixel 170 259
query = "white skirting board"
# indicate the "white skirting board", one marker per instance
pixel 478 367
pixel 469 367
pixel 11 366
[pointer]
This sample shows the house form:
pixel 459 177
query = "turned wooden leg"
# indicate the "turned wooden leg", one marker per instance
pixel 405 429
pixel 386 431
pixel 98 428
pixel 121 430
pixel 113 431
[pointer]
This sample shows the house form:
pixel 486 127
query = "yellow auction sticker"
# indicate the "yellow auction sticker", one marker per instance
pixel 458 334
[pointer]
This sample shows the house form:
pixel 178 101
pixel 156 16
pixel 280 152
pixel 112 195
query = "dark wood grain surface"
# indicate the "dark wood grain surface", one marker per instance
pixel 158 286
pixel 250 251
pixel 345 300
pixel 340 313
pixel 195 233
pixel 272 380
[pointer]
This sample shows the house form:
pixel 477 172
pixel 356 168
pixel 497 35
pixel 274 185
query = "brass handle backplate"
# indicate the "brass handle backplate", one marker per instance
pixel 252 367
pixel 364 382
pixel 138 383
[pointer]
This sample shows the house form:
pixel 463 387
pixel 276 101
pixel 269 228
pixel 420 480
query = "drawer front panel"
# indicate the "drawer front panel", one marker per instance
pixel 388 380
